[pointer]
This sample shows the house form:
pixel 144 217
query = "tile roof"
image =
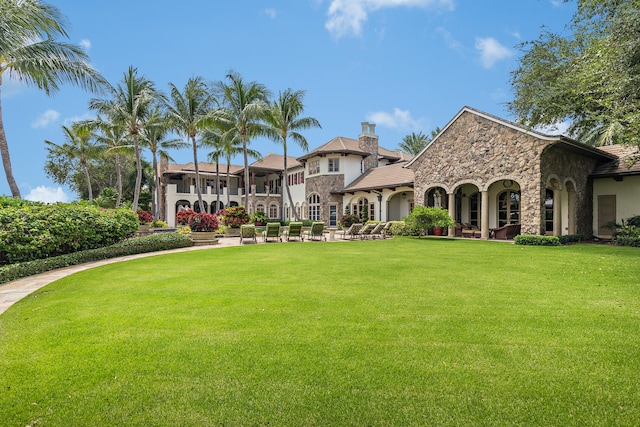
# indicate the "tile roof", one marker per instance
pixel 627 162
pixel 337 145
pixel 204 167
pixel 274 162
pixel 394 175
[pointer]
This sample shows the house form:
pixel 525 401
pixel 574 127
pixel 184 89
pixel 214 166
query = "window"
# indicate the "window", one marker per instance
pixel 363 204
pixel 273 211
pixel 334 165
pixel 508 207
pixel 314 207
pixel 548 211
pixel 260 207
pixel 314 167
pixel 333 215
pixel 475 209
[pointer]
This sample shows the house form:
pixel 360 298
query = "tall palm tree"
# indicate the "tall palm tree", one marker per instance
pixel 414 143
pixel 244 107
pixel 130 104
pixel 30 53
pixel 154 137
pixel 113 136
pixel 79 147
pixel 212 139
pixel 189 112
pixel 284 120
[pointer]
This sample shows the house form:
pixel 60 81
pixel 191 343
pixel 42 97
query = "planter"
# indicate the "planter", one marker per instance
pixel 232 232
pixel 144 230
pixel 438 231
pixel 202 238
pixel 163 230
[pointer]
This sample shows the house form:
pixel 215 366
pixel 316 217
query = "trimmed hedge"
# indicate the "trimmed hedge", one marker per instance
pixel 151 243
pixel 32 232
pixel 628 241
pixel 571 238
pixel 533 240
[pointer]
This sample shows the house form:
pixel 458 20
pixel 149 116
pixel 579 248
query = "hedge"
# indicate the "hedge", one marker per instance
pixel 533 240
pixel 151 243
pixel 628 241
pixel 571 238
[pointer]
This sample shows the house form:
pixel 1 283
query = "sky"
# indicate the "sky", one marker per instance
pixel 405 65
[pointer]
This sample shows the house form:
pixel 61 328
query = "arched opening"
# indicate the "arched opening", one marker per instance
pixel 213 208
pixel 508 207
pixel 273 211
pixel 548 212
pixel 182 205
pixel 436 197
pixel 196 206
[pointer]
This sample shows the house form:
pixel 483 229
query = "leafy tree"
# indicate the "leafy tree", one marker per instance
pixel 590 77
pixel 188 112
pixel 283 118
pixel 130 105
pixel 30 53
pixel 243 108
pixel 414 143
pixel 78 148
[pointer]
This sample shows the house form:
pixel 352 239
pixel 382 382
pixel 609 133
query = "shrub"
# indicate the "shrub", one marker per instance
pixel 401 228
pixel 182 217
pixel 144 217
pixel 157 223
pixel 259 217
pixel 41 231
pixel 533 240
pixel 425 218
pixel 234 216
pixel 348 219
pixel 151 243
pixel 570 238
pixel 628 241
pixel 201 221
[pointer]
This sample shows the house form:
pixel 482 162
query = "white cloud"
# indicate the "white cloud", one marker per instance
pixel 556 3
pixel 347 16
pixel 399 119
pixel 272 13
pixel 70 120
pixel 85 44
pixel 491 51
pixel 47 195
pixel 560 128
pixel 45 119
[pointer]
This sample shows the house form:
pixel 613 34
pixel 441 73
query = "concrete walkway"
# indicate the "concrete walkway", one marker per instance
pixel 14 291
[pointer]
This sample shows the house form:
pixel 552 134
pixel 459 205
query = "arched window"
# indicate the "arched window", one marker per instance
pixel 508 207
pixel 548 211
pixel 273 211
pixel 475 207
pixel 314 207
pixel 437 197
pixel 196 206
pixel 361 205
pixel 260 208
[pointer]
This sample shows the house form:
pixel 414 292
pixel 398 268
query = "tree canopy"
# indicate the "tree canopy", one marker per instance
pixel 590 77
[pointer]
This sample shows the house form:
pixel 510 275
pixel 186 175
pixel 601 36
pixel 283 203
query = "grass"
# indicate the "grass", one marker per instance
pixel 398 332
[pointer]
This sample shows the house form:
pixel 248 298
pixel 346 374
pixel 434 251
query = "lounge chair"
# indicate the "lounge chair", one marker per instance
pixel 377 231
pixel 272 231
pixel 317 230
pixel 506 232
pixel 365 231
pixel 248 232
pixel 352 231
pixel 386 230
pixel 295 230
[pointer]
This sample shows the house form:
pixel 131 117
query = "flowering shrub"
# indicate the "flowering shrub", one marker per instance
pixel 182 217
pixel 234 216
pixel 144 217
pixel 201 221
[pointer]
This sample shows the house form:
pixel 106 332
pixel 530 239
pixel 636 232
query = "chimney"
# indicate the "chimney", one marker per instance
pixel 368 141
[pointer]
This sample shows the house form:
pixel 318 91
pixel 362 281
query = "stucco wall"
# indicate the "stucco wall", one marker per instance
pixel 627 194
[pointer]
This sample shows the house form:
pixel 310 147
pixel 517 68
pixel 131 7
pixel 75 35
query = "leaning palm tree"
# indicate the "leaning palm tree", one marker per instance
pixel 130 105
pixel 78 147
pixel 30 54
pixel 188 112
pixel 284 122
pixel 244 107
pixel 154 137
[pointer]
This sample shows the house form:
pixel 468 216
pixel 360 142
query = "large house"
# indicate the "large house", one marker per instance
pixel 487 171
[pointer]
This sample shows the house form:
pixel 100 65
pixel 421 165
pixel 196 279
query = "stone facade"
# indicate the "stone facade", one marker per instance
pixel 323 186
pixel 368 142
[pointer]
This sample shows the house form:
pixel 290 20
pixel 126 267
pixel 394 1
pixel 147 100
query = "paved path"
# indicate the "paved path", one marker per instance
pixel 16 290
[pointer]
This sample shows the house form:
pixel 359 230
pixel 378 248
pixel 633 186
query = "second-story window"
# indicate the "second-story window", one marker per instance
pixel 334 165
pixel 314 167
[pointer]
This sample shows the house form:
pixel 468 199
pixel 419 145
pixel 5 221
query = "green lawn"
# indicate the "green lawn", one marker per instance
pixel 398 332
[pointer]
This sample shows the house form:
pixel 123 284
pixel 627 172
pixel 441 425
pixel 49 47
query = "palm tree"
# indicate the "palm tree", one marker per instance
pixel 284 120
pixel 78 147
pixel 113 137
pixel 130 105
pixel 414 143
pixel 154 138
pixel 244 106
pixel 189 112
pixel 212 139
pixel 30 53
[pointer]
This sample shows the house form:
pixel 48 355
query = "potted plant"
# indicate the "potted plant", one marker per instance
pixel 424 218
pixel 232 218
pixel 145 219
pixel 203 228
pixel 259 218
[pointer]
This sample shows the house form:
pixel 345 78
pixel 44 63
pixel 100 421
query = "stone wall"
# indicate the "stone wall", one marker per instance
pixel 323 185
pixel 368 142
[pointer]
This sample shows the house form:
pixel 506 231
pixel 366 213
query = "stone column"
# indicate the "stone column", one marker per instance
pixel 571 208
pixel 452 213
pixel 484 215
pixel 557 212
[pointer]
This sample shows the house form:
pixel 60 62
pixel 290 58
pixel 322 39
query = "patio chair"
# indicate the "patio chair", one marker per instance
pixel 506 232
pixel 377 231
pixel 295 230
pixel 248 232
pixel 386 229
pixel 317 230
pixel 352 231
pixel 365 231
pixel 272 231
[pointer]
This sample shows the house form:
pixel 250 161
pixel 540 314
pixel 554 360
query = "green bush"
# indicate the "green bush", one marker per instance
pixel 401 228
pixel 424 218
pixel 570 238
pixel 628 241
pixel 41 231
pixel 533 240
pixel 151 243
